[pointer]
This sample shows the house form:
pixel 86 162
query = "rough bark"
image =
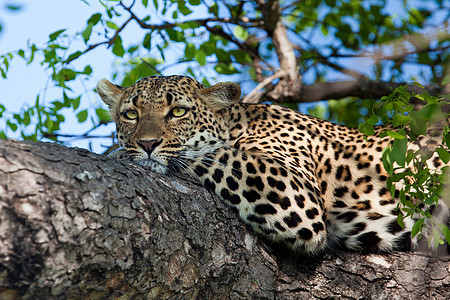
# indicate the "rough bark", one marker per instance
pixel 78 225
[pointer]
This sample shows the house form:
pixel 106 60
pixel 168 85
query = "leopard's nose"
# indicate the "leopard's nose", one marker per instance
pixel 149 145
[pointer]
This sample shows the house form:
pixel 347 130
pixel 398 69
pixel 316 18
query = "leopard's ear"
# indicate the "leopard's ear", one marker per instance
pixel 221 95
pixel 110 93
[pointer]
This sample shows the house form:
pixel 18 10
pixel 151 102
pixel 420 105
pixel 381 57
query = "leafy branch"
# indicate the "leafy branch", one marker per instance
pixel 417 158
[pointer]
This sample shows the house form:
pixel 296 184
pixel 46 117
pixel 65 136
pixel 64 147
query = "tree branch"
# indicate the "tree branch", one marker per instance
pixel 255 95
pixel 290 79
pixel 399 48
pixel 109 42
pixel 363 88
pixel 220 32
pixel 242 21
pixel 79 225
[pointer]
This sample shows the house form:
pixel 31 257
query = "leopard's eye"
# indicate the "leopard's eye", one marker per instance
pixel 178 112
pixel 130 114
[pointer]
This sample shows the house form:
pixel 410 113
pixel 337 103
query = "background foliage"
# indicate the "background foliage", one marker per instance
pixel 403 41
pixel 412 177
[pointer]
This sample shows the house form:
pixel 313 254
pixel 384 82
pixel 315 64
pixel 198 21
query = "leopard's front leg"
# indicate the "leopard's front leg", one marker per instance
pixel 273 198
pixel 121 153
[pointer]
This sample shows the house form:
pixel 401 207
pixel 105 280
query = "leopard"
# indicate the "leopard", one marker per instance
pixel 295 179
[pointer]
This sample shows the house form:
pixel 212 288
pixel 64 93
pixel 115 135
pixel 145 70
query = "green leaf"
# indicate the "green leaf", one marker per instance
pixel 409 156
pixel 145 3
pixel 87 70
pixel 76 102
pixel 418 123
pixel 205 82
pixel 74 56
pixel 445 231
pixel 53 36
pixel 395 134
pixel 241 33
pixel 213 9
pixel 112 25
pixel 18 118
pixel 103 115
pixel 82 116
pixel 60 118
pixel 431 111
pixel 86 34
pixel 200 57
pixel 400 120
pixel 436 237
pixel 189 25
pixel 226 69
pixel 132 49
pixel 416 227
pixel 183 8
pixel 373 120
pixel 59 105
pixel 402 195
pixel 11 125
pixel 175 35
pixel 388 162
pixel 118 48
pixel 194 2
pixel 49 124
pixel 26 118
pixel 444 154
pixel 399 151
pixel 446 80
pixel 67 75
pixel 94 19
pixel 447 139
pixel 431 200
pixel 21 53
pixel 418 84
pixel 146 43
pixel 189 51
pixel 366 128
pixel 400 221
pixel 241 57
pixel 324 29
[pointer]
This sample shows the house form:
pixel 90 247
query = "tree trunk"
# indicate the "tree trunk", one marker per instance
pixel 78 225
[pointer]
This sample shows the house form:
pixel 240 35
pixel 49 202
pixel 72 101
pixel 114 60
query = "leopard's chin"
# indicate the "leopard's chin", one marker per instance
pixel 153 165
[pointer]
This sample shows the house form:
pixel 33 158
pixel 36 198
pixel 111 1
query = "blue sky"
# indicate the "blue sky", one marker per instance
pixel 33 23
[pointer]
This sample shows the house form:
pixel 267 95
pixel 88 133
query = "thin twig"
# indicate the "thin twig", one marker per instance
pixel 79 136
pixel 244 22
pixel 253 97
pixel 108 42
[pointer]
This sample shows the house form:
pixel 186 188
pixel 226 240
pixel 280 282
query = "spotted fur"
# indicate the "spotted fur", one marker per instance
pixel 294 178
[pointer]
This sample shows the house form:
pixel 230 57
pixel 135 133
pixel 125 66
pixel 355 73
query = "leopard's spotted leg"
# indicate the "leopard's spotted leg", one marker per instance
pixel 284 208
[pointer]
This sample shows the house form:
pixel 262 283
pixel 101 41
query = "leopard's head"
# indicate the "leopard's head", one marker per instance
pixel 162 122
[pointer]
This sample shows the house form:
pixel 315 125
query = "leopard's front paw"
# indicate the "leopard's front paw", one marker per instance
pixel 122 154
